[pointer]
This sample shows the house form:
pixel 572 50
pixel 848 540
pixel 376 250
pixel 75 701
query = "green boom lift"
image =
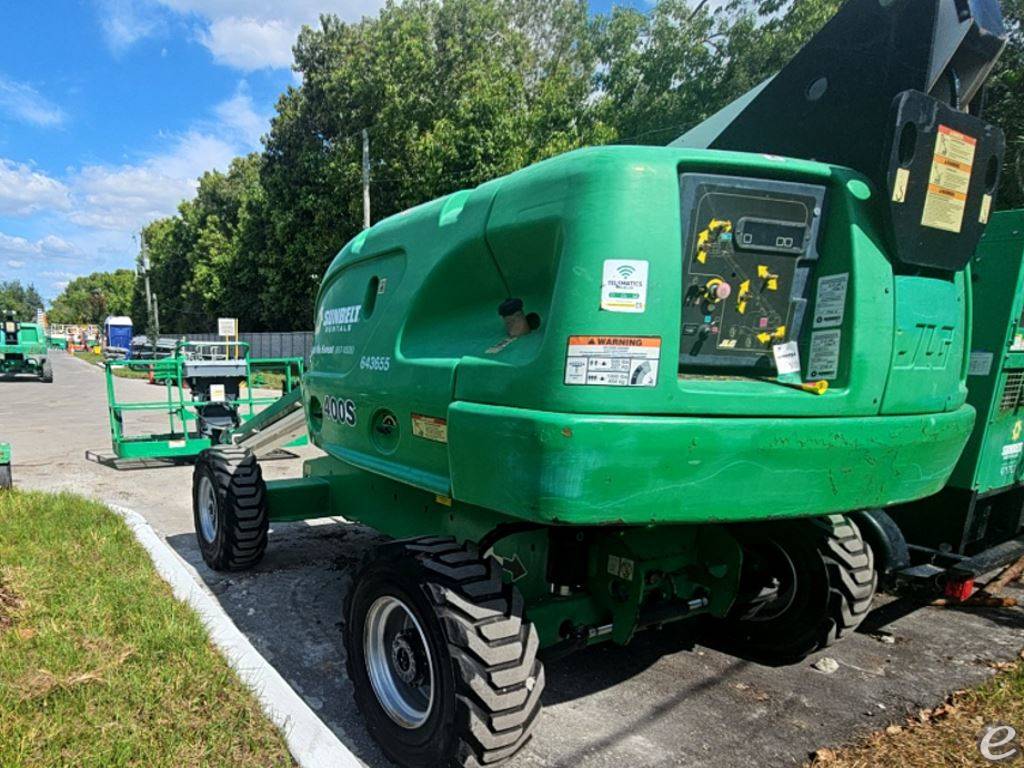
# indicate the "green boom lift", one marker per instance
pixel 204 400
pixel 23 349
pixel 703 357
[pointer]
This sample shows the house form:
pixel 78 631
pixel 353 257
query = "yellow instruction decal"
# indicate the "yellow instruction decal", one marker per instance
pixel 949 181
pixel 899 188
pixel 986 209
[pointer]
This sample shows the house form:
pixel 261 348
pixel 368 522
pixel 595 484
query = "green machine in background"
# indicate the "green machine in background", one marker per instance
pixel 976 523
pixel 23 350
pixel 5 466
pixel 630 386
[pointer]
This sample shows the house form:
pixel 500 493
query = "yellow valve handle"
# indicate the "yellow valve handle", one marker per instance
pixel 815 387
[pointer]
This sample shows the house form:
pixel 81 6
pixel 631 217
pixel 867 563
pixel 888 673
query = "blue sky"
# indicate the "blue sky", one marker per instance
pixel 110 110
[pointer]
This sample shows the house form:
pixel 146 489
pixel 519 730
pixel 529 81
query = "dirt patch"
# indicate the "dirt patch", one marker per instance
pixel 9 604
pixel 42 682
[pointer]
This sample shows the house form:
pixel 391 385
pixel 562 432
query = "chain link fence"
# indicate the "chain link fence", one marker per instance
pixel 270 344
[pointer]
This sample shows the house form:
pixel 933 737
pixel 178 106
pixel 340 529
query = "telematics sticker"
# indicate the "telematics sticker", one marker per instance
pixel 624 286
pixel 830 304
pixel 823 358
pixel 949 181
pixel 613 361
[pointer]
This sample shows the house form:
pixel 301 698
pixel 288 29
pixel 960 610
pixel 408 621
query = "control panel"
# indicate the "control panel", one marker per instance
pixel 749 246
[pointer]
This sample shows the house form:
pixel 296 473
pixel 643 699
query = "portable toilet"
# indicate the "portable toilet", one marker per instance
pixel 117 332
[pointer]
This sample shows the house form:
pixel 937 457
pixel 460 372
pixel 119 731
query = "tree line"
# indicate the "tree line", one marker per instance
pixel 453 94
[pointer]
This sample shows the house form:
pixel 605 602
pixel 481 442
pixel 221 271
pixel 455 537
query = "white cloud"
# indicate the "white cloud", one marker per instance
pixel 50 246
pixel 24 191
pixel 24 103
pixel 239 116
pixel 126 197
pixel 125 22
pixel 249 44
pixel 244 34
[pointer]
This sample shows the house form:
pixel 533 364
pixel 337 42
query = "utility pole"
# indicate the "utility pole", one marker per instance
pixel 366 179
pixel 152 308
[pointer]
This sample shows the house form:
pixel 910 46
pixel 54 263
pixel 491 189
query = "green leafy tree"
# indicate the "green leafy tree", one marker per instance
pixel 1005 106
pixel 22 300
pixel 453 94
pixel 456 93
pixel 93 298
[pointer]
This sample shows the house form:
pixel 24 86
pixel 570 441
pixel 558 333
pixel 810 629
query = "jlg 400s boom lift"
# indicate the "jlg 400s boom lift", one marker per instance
pixel 632 385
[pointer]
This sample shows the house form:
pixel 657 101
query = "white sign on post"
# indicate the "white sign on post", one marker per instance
pixel 227 326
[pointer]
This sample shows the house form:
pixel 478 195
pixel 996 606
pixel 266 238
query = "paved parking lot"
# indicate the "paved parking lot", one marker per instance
pixel 665 701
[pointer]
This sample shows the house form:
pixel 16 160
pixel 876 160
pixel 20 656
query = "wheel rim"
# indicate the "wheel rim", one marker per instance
pixel 207 509
pixel 398 662
pixel 778 595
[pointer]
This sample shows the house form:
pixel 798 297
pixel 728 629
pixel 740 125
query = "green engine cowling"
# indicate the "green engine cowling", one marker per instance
pixel 643 392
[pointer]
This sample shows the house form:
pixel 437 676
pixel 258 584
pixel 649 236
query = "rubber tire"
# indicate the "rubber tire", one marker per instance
pixel 837 568
pixel 488 680
pixel 47 374
pixel 241 494
pixel 6 482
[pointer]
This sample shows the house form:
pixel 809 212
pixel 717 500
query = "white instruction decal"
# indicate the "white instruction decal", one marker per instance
pixel 787 358
pixel 624 286
pixel 217 394
pixel 981 364
pixel 830 306
pixel 613 361
pixel 823 362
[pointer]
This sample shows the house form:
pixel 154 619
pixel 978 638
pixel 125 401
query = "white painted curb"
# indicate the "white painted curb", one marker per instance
pixel 312 744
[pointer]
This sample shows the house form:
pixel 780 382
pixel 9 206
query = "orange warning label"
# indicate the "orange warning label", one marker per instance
pixel 615 341
pixel 950 180
pixel 613 361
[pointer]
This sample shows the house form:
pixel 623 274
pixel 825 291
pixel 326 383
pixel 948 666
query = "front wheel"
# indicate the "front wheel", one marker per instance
pixel 47 373
pixel 805 585
pixel 229 508
pixel 443 663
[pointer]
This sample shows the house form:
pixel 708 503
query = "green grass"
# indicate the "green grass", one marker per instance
pixel 99 664
pixel 122 373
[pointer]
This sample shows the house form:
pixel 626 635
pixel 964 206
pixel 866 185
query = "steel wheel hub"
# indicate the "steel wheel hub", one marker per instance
pixel 398 662
pixel 207 509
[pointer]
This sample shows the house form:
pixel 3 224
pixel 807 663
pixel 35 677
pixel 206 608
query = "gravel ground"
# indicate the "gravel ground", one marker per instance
pixel 664 701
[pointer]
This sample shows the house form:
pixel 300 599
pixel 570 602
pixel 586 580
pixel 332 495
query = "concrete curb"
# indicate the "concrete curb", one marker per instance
pixel 312 744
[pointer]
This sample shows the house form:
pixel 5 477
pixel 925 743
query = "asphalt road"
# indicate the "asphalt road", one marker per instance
pixel 663 701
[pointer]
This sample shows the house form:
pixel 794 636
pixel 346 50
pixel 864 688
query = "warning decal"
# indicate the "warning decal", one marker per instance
pixel 949 181
pixel 613 361
pixel 430 428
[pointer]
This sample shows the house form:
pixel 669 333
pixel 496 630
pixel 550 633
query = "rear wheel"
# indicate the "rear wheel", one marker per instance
pixel 805 585
pixel 5 477
pixel 229 508
pixel 443 663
